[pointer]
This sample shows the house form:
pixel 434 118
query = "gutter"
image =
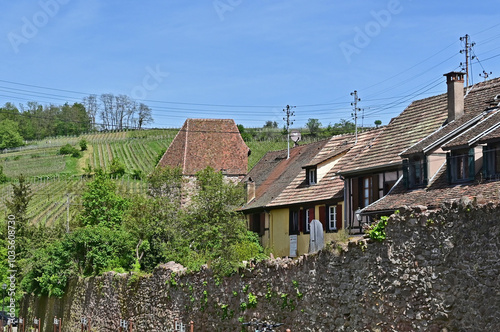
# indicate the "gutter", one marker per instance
pixel 396 165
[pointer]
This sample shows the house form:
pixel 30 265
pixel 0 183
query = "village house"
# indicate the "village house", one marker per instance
pixel 459 159
pixel 285 195
pixel 202 143
pixel 375 172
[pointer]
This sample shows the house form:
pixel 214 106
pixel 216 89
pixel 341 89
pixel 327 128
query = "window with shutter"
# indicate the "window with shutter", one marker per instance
pixel 461 165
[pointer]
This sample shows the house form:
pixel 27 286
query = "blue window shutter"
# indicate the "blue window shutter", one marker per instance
pixel 486 163
pixel 406 180
pixel 472 164
pixel 448 166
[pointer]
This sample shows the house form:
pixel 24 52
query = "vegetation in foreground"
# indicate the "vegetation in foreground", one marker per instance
pixel 133 232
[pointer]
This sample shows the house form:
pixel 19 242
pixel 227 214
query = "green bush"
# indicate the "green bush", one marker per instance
pixel 83 144
pixel 68 149
pixel 377 231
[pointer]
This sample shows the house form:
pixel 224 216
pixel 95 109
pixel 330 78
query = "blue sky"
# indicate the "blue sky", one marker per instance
pixel 243 59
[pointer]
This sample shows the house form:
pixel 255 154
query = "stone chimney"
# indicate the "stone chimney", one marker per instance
pixel 455 83
pixel 250 190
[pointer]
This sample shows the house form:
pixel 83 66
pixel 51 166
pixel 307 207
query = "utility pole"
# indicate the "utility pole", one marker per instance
pixel 355 113
pixel 289 113
pixel 467 51
pixel 67 213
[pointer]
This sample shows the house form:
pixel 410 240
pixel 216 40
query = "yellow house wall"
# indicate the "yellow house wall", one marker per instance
pixel 279 236
pixel 277 239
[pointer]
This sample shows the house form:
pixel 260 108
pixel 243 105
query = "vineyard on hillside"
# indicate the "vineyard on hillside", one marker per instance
pixel 57 181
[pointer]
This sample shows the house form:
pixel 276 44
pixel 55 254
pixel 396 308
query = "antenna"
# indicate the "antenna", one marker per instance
pixel 289 113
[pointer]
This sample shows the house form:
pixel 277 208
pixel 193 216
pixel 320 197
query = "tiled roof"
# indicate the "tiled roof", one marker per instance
pixel 493 136
pixel 476 102
pixel 489 121
pixel 485 121
pixel 274 172
pixel 437 193
pixel 330 187
pixel 418 120
pixel 208 142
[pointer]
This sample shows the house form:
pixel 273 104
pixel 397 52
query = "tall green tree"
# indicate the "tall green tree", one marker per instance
pixel 9 134
pixel 18 205
pixel 216 230
pixel 101 204
pixel 313 125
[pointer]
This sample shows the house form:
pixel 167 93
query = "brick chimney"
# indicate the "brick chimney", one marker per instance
pixel 455 83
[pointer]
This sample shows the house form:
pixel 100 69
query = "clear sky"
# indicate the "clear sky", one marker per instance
pixel 243 59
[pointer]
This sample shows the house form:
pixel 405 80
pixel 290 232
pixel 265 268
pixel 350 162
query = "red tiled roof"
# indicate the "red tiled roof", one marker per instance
pixel 274 172
pixel 208 142
pixel 330 187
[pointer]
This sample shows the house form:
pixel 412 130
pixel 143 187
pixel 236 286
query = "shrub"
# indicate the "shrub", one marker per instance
pixel 377 231
pixel 117 168
pixel 68 149
pixel 83 144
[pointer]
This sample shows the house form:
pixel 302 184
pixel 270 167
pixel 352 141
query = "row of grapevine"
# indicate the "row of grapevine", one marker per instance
pixel 53 198
pixel 137 154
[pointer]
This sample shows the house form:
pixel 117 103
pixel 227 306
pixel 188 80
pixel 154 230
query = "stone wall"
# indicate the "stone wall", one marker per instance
pixel 436 271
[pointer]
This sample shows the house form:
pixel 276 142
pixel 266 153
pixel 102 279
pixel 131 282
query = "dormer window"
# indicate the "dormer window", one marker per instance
pixel 491 161
pixel 460 165
pixel 415 171
pixel 312 176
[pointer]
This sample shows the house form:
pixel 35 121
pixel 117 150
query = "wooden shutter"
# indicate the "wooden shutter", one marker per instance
pixel 339 217
pixel 323 217
pixel 301 220
pixel 472 165
pixel 375 189
pixel 355 193
pixel 262 222
pixel 486 163
pixel 406 180
pixel 448 166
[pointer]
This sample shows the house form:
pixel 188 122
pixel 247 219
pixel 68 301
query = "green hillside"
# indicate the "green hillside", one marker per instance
pixel 58 180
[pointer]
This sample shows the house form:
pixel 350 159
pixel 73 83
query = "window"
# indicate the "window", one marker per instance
pixel 367 191
pixel 308 220
pixel 311 176
pixel 255 223
pixel 460 165
pixel 294 222
pixel 308 217
pixel 332 218
pixel 491 161
pixel 415 172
